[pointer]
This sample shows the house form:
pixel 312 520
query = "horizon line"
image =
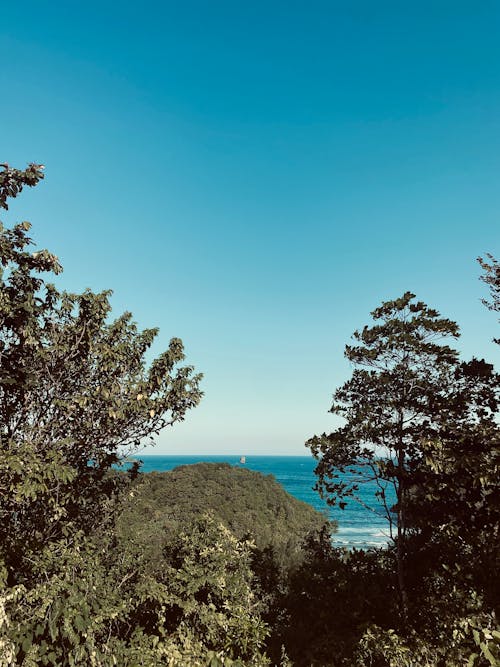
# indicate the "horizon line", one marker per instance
pixel 305 456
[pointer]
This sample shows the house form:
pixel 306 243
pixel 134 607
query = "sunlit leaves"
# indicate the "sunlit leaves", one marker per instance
pixel 69 378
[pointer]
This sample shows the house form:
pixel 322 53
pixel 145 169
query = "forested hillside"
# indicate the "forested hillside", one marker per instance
pixel 252 506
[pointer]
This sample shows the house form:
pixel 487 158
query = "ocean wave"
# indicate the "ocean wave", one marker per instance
pixel 360 537
pixel 367 530
pixel 359 544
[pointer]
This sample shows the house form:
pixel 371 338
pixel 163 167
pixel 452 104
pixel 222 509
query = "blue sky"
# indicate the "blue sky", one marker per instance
pixel 257 177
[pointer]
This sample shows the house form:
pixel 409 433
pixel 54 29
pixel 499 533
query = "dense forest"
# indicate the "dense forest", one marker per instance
pixel 249 504
pixel 103 565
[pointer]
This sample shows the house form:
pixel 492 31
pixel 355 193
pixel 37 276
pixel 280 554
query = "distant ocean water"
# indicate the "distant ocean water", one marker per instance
pixel 357 526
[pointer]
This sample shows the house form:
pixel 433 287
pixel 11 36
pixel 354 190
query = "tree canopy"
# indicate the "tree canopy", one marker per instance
pixel 76 391
pixel 491 277
pixel 409 399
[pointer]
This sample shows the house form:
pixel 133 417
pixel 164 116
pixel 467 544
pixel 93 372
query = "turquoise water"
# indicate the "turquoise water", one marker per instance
pixel 357 526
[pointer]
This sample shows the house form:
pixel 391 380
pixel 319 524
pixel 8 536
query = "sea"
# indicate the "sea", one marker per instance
pixel 358 527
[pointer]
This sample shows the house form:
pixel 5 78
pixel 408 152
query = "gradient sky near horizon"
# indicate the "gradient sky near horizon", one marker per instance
pixel 256 177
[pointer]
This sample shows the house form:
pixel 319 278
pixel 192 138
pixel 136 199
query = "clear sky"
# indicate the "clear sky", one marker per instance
pixel 256 177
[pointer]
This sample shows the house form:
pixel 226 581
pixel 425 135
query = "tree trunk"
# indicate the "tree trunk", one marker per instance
pixel 403 595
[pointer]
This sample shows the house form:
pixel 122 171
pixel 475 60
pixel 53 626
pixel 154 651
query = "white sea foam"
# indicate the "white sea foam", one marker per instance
pixel 363 530
pixel 360 536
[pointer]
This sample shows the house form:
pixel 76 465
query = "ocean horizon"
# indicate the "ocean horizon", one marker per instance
pixel 358 527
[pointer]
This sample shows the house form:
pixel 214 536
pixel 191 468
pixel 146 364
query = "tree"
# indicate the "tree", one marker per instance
pixel 398 397
pixel 458 476
pixel 76 394
pixel 330 599
pixel 492 278
pixel 97 604
pixel 209 582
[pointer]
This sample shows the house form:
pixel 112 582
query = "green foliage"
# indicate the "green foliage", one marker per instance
pixel 454 546
pixel 422 422
pixel 486 635
pixel 470 641
pixel 94 604
pixel 246 502
pixel 13 180
pixel 329 600
pixel 491 277
pixel 102 567
pixel 340 609
pixel 210 579
pixel 385 648
pixel 76 394
pixel 399 387
pixel 456 514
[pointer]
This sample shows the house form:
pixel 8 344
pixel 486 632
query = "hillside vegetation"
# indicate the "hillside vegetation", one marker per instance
pixel 213 566
pixel 249 504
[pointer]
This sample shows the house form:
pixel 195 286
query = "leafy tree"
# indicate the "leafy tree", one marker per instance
pixel 99 605
pixel 329 601
pixel 210 583
pixel 398 397
pixel 492 278
pixel 76 394
pixel 455 509
pixel 12 181
pixel 76 397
